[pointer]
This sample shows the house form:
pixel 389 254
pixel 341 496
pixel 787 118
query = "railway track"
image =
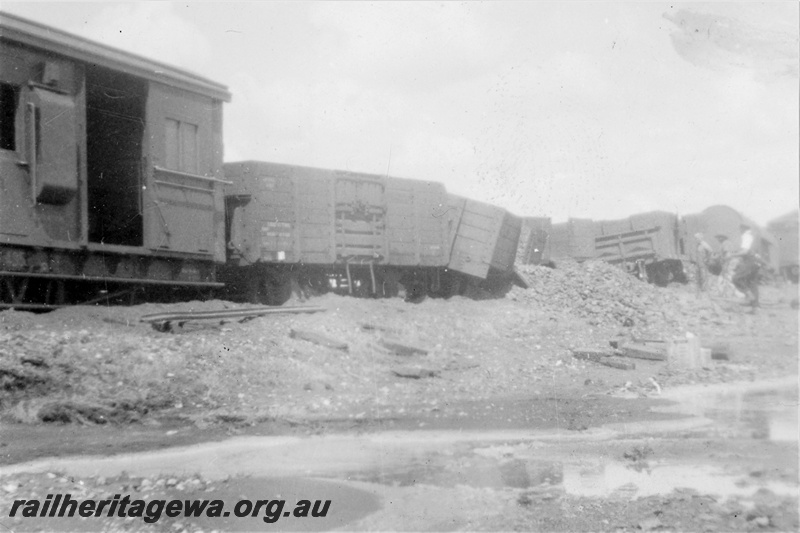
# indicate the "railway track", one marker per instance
pixel 163 321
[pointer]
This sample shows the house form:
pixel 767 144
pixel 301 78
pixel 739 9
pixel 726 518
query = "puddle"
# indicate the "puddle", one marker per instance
pixel 357 468
pixel 469 470
pixel 617 479
pixel 584 477
pixel 759 411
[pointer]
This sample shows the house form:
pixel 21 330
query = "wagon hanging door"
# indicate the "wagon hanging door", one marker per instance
pixel 44 178
pixel 183 197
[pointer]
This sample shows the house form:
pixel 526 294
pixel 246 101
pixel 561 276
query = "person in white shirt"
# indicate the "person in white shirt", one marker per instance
pixel 745 277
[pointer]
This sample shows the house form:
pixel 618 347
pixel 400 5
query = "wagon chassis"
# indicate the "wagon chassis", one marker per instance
pixel 14 288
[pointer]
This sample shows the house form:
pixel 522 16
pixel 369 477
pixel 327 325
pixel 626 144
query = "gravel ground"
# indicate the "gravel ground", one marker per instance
pixel 99 375
pixel 101 365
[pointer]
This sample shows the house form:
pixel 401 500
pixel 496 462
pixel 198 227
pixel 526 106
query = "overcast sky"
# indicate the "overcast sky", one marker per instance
pixel 595 110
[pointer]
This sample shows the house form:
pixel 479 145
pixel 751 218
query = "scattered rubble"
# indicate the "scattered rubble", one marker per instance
pixel 599 291
pixel 402 348
pixel 318 338
pixel 618 363
pixel 596 356
pixel 641 351
pixel 414 372
pixel 551 337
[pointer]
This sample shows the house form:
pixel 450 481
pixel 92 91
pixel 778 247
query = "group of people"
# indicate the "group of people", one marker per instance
pixel 736 269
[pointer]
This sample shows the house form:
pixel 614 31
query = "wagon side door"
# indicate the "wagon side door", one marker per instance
pixel 360 225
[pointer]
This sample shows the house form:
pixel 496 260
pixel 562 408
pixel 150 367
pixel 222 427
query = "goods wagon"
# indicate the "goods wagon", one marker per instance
pixel 333 230
pixel 110 170
pixel 658 245
pixel 785 231
pixel 483 241
pixel 534 241
pixel 649 245
pixel 573 239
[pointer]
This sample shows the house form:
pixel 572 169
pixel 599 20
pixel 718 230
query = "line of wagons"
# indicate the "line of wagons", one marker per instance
pixel 657 246
pixel 112 182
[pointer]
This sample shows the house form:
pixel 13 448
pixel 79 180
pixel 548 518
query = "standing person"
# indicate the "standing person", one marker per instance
pixel 704 253
pixel 727 265
pixel 745 276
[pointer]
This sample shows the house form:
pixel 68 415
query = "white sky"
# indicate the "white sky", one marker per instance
pixel 595 110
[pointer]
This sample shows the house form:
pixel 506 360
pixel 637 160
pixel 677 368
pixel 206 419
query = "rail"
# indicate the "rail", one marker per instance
pixel 163 321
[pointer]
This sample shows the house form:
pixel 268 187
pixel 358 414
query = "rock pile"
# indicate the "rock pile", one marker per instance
pixel 598 291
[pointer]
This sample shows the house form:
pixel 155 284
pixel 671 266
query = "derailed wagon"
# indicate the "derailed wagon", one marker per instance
pixel 483 245
pixel 318 230
pixel 658 246
pixel 648 245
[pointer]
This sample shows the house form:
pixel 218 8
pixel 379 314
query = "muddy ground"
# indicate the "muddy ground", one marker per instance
pixel 97 380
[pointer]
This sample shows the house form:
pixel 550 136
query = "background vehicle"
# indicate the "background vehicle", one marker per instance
pixel 658 246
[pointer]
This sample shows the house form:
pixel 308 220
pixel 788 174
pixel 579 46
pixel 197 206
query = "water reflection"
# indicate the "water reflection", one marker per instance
pixel 616 479
pixel 769 414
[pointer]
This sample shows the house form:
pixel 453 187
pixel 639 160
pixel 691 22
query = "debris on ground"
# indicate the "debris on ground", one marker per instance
pixel 642 351
pixel 402 348
pixel 318 338
pixel 552 336
pixel 414 372
pixel 595 356
pixel 615 362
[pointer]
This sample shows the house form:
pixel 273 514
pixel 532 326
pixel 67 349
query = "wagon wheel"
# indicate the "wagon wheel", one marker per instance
pixel 450 285
pixel 269 288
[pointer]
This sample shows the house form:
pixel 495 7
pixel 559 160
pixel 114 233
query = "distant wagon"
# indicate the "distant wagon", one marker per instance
pixel 648 245
pixel 658 246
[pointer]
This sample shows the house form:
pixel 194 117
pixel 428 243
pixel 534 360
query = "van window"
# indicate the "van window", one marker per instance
pixel 181 152
pixel 9 95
